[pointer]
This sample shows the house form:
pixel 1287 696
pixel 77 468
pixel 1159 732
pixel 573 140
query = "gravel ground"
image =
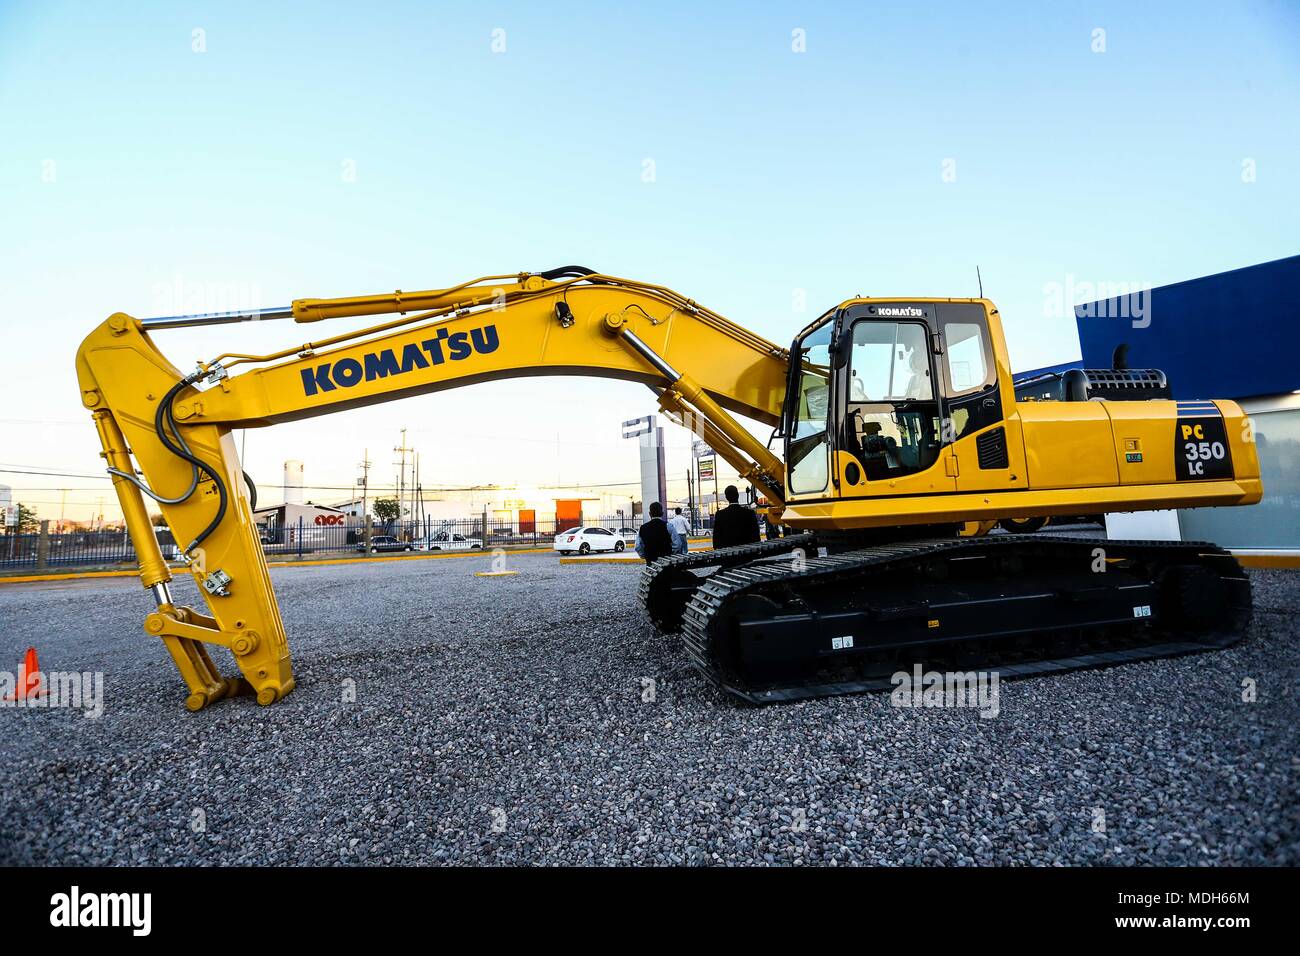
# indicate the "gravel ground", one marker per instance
pixel 501 721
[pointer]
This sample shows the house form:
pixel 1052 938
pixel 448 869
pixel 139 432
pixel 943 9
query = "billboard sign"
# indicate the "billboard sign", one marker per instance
pixel 638 427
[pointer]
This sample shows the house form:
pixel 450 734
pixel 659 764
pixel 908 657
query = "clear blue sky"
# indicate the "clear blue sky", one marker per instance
pixel 775 171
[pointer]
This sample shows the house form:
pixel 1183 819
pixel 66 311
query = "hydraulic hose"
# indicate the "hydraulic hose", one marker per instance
pixel 164 417
pixel 566 272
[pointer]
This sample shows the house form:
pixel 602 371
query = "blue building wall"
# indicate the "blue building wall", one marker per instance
pixel 1231 335
pixel 1034 372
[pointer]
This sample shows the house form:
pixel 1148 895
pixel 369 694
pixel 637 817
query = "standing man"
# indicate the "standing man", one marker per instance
pixel 654 540
pixel 681 529
pixel 734 524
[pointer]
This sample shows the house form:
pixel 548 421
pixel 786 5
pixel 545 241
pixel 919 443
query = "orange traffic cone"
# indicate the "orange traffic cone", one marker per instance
pixel 29 678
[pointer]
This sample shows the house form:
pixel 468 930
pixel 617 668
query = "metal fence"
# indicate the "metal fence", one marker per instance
pixel 99 548
pixel 74 549
pixel 428 535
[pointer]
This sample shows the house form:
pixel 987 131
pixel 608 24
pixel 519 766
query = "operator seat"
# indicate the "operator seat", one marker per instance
pixel 918 386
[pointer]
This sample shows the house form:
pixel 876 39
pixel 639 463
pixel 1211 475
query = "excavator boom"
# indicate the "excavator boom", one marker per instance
pixel 158 421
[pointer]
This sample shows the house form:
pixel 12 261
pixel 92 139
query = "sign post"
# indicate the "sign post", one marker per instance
pixel 654 480
pixel 706 468
pixel 10 511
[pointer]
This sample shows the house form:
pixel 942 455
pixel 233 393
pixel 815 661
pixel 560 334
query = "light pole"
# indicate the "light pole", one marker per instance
pixel 365 511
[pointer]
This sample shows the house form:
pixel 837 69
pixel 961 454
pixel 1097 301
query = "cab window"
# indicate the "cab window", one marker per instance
pixel 892 423
pixel 973 401
pixel 807 448
pixel 966 356
pixel 890 363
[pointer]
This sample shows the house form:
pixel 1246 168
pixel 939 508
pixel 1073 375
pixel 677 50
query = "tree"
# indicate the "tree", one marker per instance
pixel 28 523
pixel 386 509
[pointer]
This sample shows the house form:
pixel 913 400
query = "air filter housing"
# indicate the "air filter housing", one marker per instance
pixel 1082 384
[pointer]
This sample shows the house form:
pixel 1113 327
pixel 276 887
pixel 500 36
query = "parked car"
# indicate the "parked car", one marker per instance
pixel 385 542
pixel 447 541
pixel 587 540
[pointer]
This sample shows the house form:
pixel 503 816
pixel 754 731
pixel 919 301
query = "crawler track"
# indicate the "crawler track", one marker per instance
pixel 669 583
pixel 771 630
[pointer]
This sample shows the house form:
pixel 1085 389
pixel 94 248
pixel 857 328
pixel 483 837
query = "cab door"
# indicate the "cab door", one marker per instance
pixel 891 436
pixel 808 422
pixel 987 450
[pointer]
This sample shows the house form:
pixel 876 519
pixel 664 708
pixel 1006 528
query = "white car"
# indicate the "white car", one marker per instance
pixel 446 541
pixel 587 540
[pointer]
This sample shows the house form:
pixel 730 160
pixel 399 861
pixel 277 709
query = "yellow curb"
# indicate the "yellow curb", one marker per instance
pixel 78 575
pixel 71 576
pixel 636 562
pixel 630 559
pixel 1268 560
pixel 480 553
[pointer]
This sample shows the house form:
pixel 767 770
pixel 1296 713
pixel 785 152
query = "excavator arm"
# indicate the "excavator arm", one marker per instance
pixel 166 434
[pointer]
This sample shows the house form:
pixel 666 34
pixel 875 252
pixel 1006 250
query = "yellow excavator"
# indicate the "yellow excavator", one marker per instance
pixel 901 434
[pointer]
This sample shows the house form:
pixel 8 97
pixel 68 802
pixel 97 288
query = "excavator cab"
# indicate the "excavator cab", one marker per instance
pixel 882 392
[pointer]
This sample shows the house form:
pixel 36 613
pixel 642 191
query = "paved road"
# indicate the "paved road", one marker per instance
pixel 501 720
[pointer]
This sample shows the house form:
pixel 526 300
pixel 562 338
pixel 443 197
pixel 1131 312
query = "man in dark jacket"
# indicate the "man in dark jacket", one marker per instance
pixel 654 540
pixel 734 524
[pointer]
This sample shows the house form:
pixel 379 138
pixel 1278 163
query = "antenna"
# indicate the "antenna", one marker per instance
pixel 981 280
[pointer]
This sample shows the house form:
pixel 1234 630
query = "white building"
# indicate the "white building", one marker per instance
pixel 283 524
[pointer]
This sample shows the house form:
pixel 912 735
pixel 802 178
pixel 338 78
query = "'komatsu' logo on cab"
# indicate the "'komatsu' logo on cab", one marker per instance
pixel 444 346
pixel 901 311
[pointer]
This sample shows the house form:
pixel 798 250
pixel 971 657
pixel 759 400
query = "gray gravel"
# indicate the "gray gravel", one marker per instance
pixel 501 721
